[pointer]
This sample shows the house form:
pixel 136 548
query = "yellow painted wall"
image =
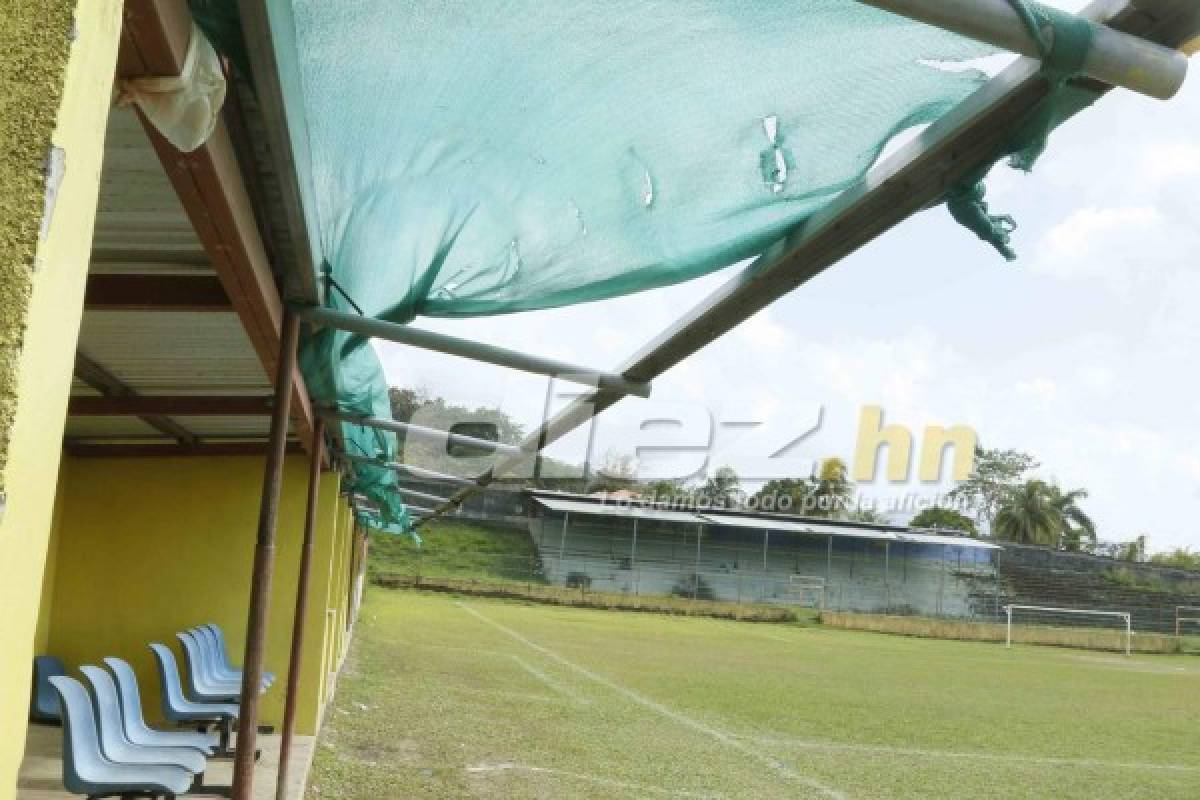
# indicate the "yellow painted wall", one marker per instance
pixel 41 296
pixel 41 639
pixel 151 546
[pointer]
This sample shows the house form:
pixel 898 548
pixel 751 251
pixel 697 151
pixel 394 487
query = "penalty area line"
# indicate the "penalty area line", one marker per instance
pixel 726 739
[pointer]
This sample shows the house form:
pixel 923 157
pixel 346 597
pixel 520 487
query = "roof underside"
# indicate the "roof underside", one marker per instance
pixel 156 323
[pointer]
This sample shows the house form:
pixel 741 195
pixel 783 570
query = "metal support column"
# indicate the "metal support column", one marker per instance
pixel 562 546
pixel 887 584
pixel 264 564
pixel 696 572
pixel 633 558
pixel 295 661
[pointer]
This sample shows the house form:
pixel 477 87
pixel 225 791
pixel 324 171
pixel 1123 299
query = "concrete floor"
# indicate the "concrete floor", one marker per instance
pixel 41 770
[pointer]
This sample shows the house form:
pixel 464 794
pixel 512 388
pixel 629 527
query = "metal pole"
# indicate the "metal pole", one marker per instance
pixel 264 564
pixel 1008 633
pixel 633 557
pixel 1128 634
pixel 562 546
pixel 696 580
pixel 295 661
pixel 422 495
pixel 1115 58
pixel 766 537
pixel 887 586
pixel 409 429
pixel 477 351
pixel 829 560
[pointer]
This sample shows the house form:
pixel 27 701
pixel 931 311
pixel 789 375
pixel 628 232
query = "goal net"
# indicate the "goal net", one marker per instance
pixel 1187 625
pixel 1049 616
pixel 806 590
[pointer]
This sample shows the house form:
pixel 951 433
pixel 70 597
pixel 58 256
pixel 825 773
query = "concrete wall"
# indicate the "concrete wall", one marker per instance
pixel 151 546
pixel 56 71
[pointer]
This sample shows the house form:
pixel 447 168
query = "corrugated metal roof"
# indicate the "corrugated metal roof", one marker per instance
pixel 140 224
pixel 609 510
pixel 108 428
pixel 142 229
pixel 956 541
pixel 157 352
pixel 257 427
pixel 798 526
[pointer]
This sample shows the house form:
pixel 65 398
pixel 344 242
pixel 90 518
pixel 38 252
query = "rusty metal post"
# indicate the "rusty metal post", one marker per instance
pixel 295 660
pixel 264 564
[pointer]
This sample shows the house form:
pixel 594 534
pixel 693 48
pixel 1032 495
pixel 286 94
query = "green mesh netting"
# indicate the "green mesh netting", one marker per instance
pixel 485 157
pixel 468 158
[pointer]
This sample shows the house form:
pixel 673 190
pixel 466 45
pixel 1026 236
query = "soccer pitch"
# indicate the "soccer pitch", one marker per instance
pixel 463 697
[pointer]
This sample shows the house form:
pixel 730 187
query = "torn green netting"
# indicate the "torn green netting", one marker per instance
pixel 490 157
pixel 343 374
pixel 463 158
pixel 1064 41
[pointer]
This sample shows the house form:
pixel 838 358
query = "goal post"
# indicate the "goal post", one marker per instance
pixel 1124 616
pixel 1184 614
pixel 807 590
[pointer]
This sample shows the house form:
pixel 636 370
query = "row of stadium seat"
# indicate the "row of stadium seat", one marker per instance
pixel 109 750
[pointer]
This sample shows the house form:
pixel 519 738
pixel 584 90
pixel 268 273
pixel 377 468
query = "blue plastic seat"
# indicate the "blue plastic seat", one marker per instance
pixel 87 771
pixel 113 742
pixel 179 709
pixel 217 661
pixel 202 685
pixel 136 729
pixel 43 703
pixel 218 637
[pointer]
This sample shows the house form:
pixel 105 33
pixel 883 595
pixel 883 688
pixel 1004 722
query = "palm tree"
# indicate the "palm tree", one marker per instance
pixel 1076 526
pixel 1029 515
pixel 832 490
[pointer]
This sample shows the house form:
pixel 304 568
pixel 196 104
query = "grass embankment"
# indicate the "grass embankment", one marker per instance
pixel 480 698
pixel 470 558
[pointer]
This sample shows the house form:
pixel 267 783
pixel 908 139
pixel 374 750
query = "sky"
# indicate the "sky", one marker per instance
pixel 1083 352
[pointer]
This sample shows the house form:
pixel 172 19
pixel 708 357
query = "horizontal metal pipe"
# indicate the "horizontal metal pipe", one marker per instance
pixel 423 495
pixel 409 429
pixel 421 472
pixel 1115 58
pixel 419 511
pixel 416 472
pixel 477 351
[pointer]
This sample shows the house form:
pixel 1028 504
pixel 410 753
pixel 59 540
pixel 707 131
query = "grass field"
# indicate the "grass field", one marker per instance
pixel 447 697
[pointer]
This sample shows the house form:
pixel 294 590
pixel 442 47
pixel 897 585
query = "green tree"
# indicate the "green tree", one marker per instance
pixel 1077 532
pixel 995 475
pixel 1180 558
pixel 723 488
pixel 865 514
pixel 618 471
pixel 783 494
pixel 946 519
pixel 1028 515
pixel 832 491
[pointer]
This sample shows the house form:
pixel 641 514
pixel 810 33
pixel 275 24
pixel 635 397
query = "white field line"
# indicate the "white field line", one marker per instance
pixel 729 741
pixel 520 662
pixel 807 744
pixel 548 681
pixel 552 699
pixel 596 779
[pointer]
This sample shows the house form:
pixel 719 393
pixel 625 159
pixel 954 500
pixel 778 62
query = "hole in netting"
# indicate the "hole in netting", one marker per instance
pixel 991 66
pixel 647 189
pixel 774 161
pixel 577 212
